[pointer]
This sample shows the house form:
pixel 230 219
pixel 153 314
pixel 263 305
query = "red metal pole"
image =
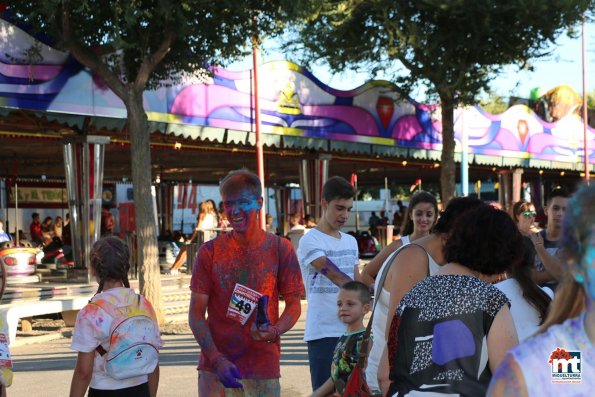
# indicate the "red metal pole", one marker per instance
pixel 585 114
pixel 259 151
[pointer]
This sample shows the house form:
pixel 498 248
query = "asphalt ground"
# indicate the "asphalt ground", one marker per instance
pixel 45 368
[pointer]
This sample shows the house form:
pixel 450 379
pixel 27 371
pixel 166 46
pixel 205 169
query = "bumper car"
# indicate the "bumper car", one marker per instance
pixel 17 261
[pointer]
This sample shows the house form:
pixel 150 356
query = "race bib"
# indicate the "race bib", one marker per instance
pixel 242 304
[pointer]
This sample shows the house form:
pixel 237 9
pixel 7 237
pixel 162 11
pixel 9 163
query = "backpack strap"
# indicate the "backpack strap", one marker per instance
pixel 363 347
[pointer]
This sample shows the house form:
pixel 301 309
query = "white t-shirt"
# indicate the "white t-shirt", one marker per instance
pixel 92 329
pixel 321 317
pixel 525 316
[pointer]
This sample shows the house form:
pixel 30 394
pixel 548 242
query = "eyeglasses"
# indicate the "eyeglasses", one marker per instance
pixel 529 214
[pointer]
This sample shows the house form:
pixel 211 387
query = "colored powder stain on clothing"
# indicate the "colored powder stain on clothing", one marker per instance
pixel 224 265
pixel 588 264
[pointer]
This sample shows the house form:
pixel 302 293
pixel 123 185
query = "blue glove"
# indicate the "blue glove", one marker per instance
pixel 228 373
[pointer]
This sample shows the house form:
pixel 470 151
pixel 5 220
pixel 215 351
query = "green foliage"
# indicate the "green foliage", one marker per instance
pixel 450 49
pixel 126 34
pixel 454 47
pixel 591 100
pixel 494 104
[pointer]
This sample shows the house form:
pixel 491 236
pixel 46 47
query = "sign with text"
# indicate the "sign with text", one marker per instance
pixel 38 196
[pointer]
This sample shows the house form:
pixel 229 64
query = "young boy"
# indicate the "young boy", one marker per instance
pixel 353 302
pixel 328 259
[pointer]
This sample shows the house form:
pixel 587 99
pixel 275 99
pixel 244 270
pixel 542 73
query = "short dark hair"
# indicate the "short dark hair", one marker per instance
pixel 454 209
pixel 337 187
pixel 34 215
pixel 359 287
pixel 486 240
pixel 557 192
pixel 247 177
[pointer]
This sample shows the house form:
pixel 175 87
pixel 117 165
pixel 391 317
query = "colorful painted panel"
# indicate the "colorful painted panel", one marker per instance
pixel 293 102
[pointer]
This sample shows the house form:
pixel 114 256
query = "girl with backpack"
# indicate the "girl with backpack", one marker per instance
pixel 116 334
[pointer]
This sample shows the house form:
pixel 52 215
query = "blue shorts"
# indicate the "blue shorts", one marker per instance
pixel 320 356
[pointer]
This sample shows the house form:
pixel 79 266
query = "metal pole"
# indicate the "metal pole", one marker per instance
pixel 16 210
pixel 464 158
pixel 386 196
pixel 585 114
pixel 259 151
pixel 356 211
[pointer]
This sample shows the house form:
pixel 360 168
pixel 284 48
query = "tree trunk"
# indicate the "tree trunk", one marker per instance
pixel 447 169
pixel 146 229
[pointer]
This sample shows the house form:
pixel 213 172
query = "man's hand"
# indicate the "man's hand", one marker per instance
pixel 227 373
pixel 267 333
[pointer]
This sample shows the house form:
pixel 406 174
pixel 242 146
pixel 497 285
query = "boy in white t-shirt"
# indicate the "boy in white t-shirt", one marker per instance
pixel 328 259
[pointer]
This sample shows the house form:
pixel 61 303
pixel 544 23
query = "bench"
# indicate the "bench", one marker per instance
pixel 15 311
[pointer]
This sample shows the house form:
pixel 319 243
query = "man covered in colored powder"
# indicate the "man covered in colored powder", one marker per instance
pixel 328 259
pixel 230 274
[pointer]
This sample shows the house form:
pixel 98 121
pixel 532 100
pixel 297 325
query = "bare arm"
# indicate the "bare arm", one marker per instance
pixel 407 269
pixel 325 390
pixel 383 372
pixel 508 381
pixel 541 278
pixel 552 264
pixel 154 382
pixel 200 328
pixel 327 268
pixel 501 338
pixel 373 267
pixel 227 372
pixel 83 371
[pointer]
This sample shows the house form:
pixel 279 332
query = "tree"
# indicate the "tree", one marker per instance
pixel 453 48
pixel 494 104
pixel 142 44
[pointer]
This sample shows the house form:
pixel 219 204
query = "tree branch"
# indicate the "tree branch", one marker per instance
pixel 150 61
pixel 87 57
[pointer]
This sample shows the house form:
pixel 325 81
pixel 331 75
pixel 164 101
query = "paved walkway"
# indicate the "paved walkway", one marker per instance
pixel 46 369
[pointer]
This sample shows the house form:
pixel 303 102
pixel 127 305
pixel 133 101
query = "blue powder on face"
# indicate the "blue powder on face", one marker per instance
pixel 242 201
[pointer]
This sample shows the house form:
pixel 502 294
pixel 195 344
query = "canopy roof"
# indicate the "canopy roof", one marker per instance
pixel 300 116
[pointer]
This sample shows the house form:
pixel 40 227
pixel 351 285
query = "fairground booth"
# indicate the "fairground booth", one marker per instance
pixel 66 147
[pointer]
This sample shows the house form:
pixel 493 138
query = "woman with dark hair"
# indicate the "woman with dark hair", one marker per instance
pixel 529 302
pixel 523 214
pixel 453 329
pixel 47 230
pixel 568 333
pixel 416 261
pixel 421 214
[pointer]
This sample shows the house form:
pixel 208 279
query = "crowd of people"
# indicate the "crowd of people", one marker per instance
pixel 462 305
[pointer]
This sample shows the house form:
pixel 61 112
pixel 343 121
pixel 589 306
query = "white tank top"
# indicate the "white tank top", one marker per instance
pixel 380 316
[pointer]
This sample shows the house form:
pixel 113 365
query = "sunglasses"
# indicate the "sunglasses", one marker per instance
pixel 529 214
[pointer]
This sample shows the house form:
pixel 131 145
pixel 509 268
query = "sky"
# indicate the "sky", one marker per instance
pixel 563 66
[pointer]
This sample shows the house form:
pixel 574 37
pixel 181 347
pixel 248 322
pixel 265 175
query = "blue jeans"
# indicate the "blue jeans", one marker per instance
pixel 320 356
